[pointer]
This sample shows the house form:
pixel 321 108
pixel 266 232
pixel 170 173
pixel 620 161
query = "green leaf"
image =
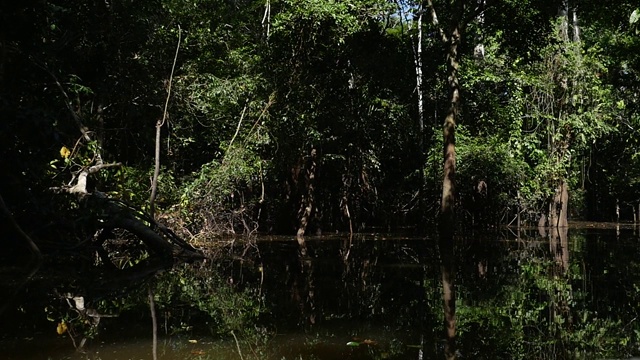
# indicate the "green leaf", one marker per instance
pixel 635 16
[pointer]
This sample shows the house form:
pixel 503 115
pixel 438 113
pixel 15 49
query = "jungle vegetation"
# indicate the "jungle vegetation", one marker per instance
pixel 308 116
pixel 178 122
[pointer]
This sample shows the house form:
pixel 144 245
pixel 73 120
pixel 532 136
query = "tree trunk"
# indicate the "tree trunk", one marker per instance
pixel 154 324
pixel 159 124
pixel 560 305
pixel 156 171
pixel 447 269
pixel 558 207
pixel 307 203
pixel 417 55
pixel 447 216
pixel 452 40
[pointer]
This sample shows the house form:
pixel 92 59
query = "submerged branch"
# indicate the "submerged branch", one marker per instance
pixel 35 251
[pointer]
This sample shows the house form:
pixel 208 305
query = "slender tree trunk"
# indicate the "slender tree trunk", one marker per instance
pixel 154 324
pixel 344 202
pixel 156 171
pixel 447 215
pixel 419 89
pixel 159 124
pixel 308 201
pixel 560 307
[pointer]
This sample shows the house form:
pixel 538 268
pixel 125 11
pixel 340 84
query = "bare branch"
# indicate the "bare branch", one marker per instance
pixel 159 124
pixel 239 123
pixel 83 129
pixel 32 245
pixel 81 186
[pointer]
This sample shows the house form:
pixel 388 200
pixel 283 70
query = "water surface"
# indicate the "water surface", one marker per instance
pixel 572 294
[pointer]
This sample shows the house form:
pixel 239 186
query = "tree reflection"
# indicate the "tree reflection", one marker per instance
pixel 559 246
pixel 303 285
pixel 519 297
pixel 447 268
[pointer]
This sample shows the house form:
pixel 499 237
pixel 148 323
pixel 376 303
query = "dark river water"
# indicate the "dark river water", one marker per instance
pixel 519 295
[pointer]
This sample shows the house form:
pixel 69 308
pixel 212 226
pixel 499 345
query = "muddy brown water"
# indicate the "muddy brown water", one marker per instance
pixel 373 296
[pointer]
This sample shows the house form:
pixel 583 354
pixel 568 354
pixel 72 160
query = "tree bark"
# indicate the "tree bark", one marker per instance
pixel 419 89
pixel 159 124
pixel 308 201
pixel 558 207
pixel 451 40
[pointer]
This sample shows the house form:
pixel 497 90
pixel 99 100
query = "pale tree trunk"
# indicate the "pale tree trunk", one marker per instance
pixel 344 204
pixel 154 189
pixel 156 170
pixel 478 50
pixel 417 62
pixel 417 57
pixel 159 125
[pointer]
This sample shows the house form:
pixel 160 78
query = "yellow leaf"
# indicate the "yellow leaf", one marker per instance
pixel 193 341
pixel 64 152
pixel 62 328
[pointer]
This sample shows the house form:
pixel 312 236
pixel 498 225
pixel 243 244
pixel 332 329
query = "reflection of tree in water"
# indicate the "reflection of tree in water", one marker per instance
pixel 527 302
pixel 303 289
pixel 533 302
pixel 448 270
pixel 559 309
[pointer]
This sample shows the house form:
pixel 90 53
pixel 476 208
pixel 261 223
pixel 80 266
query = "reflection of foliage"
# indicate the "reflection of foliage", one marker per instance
pixel 73 322
pixel 198 290
pixel 541 312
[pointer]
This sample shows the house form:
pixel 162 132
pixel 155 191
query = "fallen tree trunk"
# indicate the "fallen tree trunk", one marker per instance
pixel 159 239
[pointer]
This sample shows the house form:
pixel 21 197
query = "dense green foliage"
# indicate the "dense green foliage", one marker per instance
pixel 259 87
pixel 311 116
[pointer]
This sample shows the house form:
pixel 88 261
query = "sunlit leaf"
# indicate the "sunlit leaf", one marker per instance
pixel 62 328
pixel 65 152
pixel 635 16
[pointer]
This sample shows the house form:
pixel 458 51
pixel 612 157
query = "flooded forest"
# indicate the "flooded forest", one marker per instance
pixel 319 179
